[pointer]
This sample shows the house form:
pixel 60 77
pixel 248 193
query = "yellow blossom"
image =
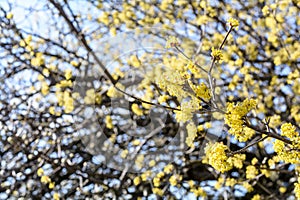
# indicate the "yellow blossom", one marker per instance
pixel 247 186
pixel 152 163
pixel 136 109
pixel 136 142
pixel 174 179
pixel 265 10
pixel 51 185
pixel 40 172
pixel 124 153
pixel 45 88
pixel 68 74
pixel 199 192
pixel 215 155
pixel 56 196
pixel 74 63
pixel 168 168
pixel 251 172
pixel 172 42
pixel 192 133
pixel 282 189
pixel 9 15
pixel 216 54
pixel 45 179
pixel 297 190
pixel 233 22
pixel 113 92
pixel 234 119
pixel 158 191
pixel 156 181
pixel 108 122
pixel 256 197
pixel 137 180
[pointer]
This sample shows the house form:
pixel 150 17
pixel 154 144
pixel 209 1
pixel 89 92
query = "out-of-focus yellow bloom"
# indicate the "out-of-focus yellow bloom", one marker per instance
pixel 136 142
pixel 56 196
pixel 172 42
pixel 124 153
pixel 51 185
pixel 256 197
pixel 251 172
pixel 137 180
pixel 168 168
pixel 68 74
pixel 158 191
pixel 40 172
pixel 45 179
pixel 74 63
pixel 9 15
pixel 136 109
pixel 108 122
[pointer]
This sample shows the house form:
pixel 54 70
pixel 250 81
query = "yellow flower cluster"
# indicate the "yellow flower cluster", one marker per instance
pixel 56 196
pixel 92 97
pixel 219 183
pixel 288 130
pixel 45 179
pixel 137 180
pixel 256 197
pixel 124 152
pixel 215 155
pixel 38 60
pixel 134 61
pixel 193 69
pixel 113 92
pixel 45 88
pixel 162 98
pixel 108 122
pixel 192 133
pixel 297 189
pixel 168 168
pixel 27 44
pixel 251 172
pixel 234 119
pixel 198 192
pixel 136 109
pixel 68 102
pixel 64 83
pixel 68 74
pixel 139 161
pixel 172 42
pixel 187 110
pixel 158 191
pixel 174 179
pixel 216 54
pixel 157 179
pixel 233 22
pixel 247 186
pixel 201 90
pixel 289 153
pixel 237 160
pixel 9 15
pixel 145 175
pixel 230 182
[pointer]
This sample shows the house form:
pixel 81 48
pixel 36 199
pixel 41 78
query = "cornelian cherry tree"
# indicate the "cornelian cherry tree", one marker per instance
pixel 157 99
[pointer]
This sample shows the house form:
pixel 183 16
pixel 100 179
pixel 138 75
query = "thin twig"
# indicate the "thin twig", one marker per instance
pixel 254 141
pixel 188 58
pixel 147 102
pixel 268 133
